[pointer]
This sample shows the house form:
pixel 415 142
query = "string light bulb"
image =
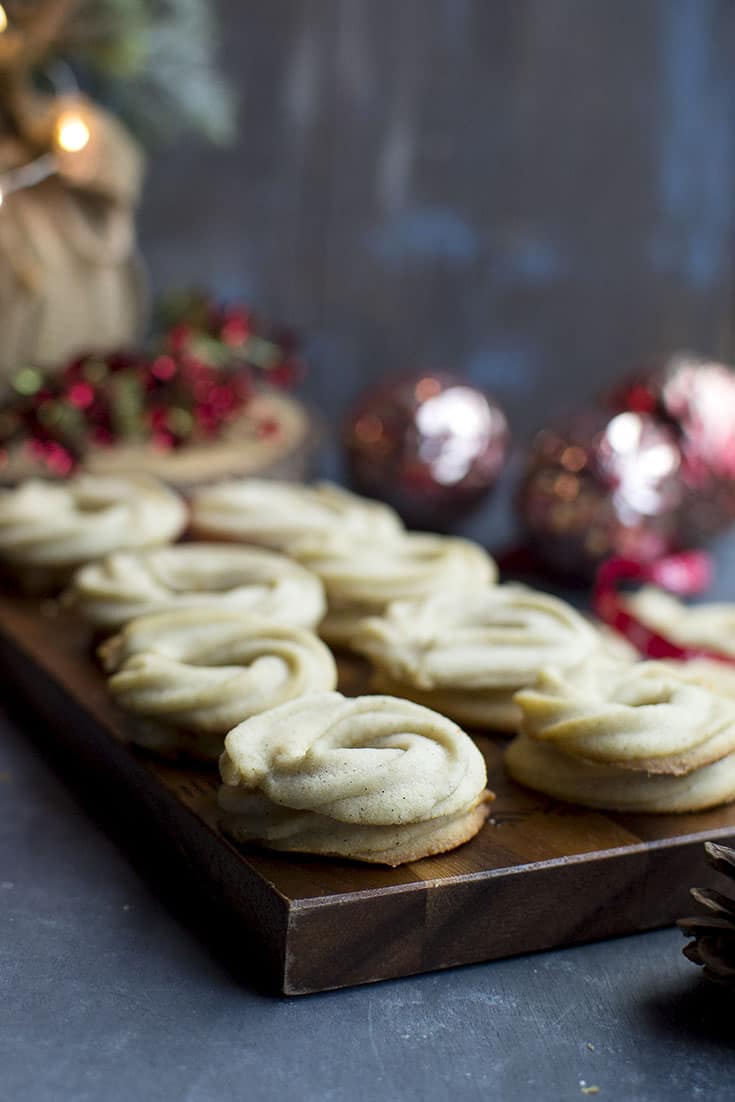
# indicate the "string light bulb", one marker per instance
pixel 72 133
pixel 3 19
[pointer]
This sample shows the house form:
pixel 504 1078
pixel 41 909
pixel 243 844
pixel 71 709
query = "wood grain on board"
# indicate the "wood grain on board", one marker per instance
pixel 539 874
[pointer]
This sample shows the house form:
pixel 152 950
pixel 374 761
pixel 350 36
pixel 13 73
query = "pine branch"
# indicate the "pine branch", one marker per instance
pixel 153 62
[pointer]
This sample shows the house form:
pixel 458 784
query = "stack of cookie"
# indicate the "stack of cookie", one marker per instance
pixel 372 778
pixel 282 515
pixel 212 638
pixel 363 579
pixel 649 737
pixel 467 653
pixel 357 548
pixel 188 676
pixel 214 653
pixel 120 587
pixel 48 529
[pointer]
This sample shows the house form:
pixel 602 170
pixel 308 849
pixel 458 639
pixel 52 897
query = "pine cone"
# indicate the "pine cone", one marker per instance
pixel 714 933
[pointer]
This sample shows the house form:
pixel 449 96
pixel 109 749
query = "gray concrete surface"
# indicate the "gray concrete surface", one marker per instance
pixel 109 995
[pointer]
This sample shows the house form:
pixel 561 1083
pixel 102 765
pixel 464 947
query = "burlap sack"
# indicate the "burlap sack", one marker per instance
pixel 71 278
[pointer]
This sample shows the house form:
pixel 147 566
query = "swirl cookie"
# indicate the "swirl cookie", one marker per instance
pixel 709 626
pixel 717 677
pixel 370 778
pixel 190 675
pixel 282 514
pixel 47 529
pixel 466 654
pixel 361 578
pixel 127 585
pixel 541 766
pixel 649 737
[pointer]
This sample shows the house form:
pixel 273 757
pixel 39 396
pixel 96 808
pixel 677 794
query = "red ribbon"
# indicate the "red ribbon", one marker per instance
pixel 685 573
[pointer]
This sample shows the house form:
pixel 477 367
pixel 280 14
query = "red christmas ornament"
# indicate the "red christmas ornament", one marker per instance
pixel 604 484
pixel 429 444
pixel 696 398
pixel 685 573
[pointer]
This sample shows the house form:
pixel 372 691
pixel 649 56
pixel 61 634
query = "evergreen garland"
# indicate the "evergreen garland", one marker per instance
pixel 152 62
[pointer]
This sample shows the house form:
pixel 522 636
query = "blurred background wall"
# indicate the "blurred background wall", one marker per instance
pixel 538 193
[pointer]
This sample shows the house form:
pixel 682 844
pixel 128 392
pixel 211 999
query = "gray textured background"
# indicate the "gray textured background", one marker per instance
pixel 118 986
pixel 536 192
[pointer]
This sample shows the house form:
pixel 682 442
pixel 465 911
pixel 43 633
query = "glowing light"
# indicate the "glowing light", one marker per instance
pixel 427 388
pixel 567 487
pixel 573 458
pixel 369 429
pixel 72 132
pixel 3 19
pixel 624 432
pixel 456 423
pixel 2 197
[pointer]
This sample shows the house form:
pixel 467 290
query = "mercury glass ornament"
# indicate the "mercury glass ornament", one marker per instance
pixel 429 444
pixel 603 484
pixel 696 397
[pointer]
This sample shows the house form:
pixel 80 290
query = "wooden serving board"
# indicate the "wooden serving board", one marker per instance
pixel 540 874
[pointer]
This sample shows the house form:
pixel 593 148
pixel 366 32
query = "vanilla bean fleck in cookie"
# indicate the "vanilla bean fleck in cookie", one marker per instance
pixel 370 778
pixel 126 585
pixel 188 676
